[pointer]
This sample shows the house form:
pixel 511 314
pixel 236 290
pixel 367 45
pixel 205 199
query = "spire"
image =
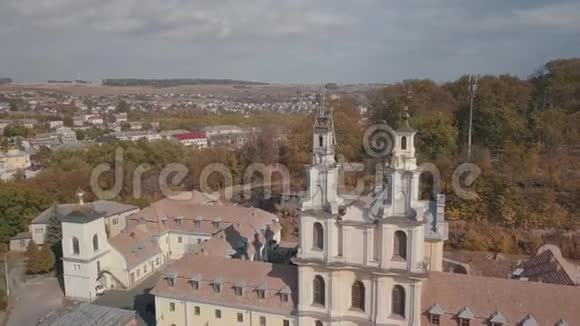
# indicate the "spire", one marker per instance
pixel 80 195
pixel 405 127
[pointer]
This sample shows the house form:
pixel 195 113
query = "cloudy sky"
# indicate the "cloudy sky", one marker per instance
pixel 283 40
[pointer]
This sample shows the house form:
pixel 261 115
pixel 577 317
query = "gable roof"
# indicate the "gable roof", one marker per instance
pixel 547 303
pixel 104 207
pixel 272 278
pixel 547 266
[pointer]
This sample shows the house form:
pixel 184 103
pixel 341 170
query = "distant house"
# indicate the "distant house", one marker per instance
pixel 121 117
pixel 66 135
pixel 135 135
pixel 78 121
pixel 28 123
pixel 95 120
pixel 221 130
pixel 55 124
pixel 197 139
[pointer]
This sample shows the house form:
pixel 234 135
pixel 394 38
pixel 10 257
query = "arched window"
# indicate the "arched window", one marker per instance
pixel 318 236
pixel 426 186
pixel 400 245
pixel 404 143
pixel 76 247
pixel 318 323
pixel 358 295
pixel 398 301
pixel 95 242
pixel 319 290
pixel 320 141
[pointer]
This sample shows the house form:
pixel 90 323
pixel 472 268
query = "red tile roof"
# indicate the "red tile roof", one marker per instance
pixel 515 299
pixel 548 266
pixel 251 275
pixel 189 135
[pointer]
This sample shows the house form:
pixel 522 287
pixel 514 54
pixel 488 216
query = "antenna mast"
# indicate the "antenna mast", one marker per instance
pixel 472 89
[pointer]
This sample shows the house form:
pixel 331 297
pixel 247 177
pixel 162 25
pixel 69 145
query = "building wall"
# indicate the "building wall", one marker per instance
pixel 81 270
pixel 184 314
pixel 19 244
pixel 338 302
pixel 38 232
pixel 118 222
pixel 180 243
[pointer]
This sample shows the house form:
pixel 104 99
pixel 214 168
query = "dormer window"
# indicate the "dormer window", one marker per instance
pixel 217 285
pixel 171 278
pixel 261 291
pixel 197 223
pixel 497 319
pixel 284 297
pixel 465 316
pixel 435 313
pixel 195 280
pixel 216 223
pixel 239 291
pixel 179 220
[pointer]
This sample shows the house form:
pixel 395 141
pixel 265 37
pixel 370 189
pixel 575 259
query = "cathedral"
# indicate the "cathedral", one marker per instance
pixel 367 260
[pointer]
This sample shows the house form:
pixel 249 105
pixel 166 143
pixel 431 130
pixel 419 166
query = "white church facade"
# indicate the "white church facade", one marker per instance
pixel 373 260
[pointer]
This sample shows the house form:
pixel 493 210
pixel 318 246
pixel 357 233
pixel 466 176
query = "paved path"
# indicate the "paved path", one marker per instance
pixel 34 300
pixel 137 299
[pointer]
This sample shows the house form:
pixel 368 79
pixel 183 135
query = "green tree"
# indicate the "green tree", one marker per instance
pixel 46 259
pixel 53 237
pixel 19 204
pixel 32 255
pixel 16 131
pixel 436 137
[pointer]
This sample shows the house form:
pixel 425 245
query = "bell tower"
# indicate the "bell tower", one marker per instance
pixel 322 175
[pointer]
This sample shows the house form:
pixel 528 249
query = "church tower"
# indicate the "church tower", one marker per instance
pixel 84 248
pixel 363 261
pixel 322 175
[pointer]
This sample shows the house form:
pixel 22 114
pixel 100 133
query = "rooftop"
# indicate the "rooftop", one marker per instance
pixel 274 279
pixel 86 314
pixel 484 296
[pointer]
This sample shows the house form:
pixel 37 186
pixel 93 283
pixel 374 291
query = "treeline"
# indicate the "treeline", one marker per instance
pixel 5 81
pixel 175 82
pixel 526 141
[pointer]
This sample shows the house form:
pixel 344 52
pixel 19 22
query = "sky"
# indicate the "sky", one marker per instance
pixel 286 41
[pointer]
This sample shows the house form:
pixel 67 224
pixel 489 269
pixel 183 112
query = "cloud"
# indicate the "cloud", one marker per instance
pixel 189 19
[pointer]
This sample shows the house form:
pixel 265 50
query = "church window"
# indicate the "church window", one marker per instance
pixel 464 322
pixel 284 297
pixel 318 236
pixel 319 290
pixel 358 295
pixel 320 141
pixel 76 246
pixel 404 143
pixel 98 267
pixel 398 301
pixel 172 306
pixel 95 242
pixel 435 320
pixel 262 321
pixel 318 323
pixel 400 245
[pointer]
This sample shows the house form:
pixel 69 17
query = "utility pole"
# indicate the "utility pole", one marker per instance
pixel 6 278
pixel 472 89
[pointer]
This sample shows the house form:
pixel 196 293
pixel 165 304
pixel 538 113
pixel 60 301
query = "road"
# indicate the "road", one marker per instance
pixel 137 299
pixel 34 300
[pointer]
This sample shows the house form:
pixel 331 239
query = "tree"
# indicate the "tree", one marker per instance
pixel 32 255
pixel 46 259
pixel 16 131
pixel 53 237
pixel 19 204
pixel 436 137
